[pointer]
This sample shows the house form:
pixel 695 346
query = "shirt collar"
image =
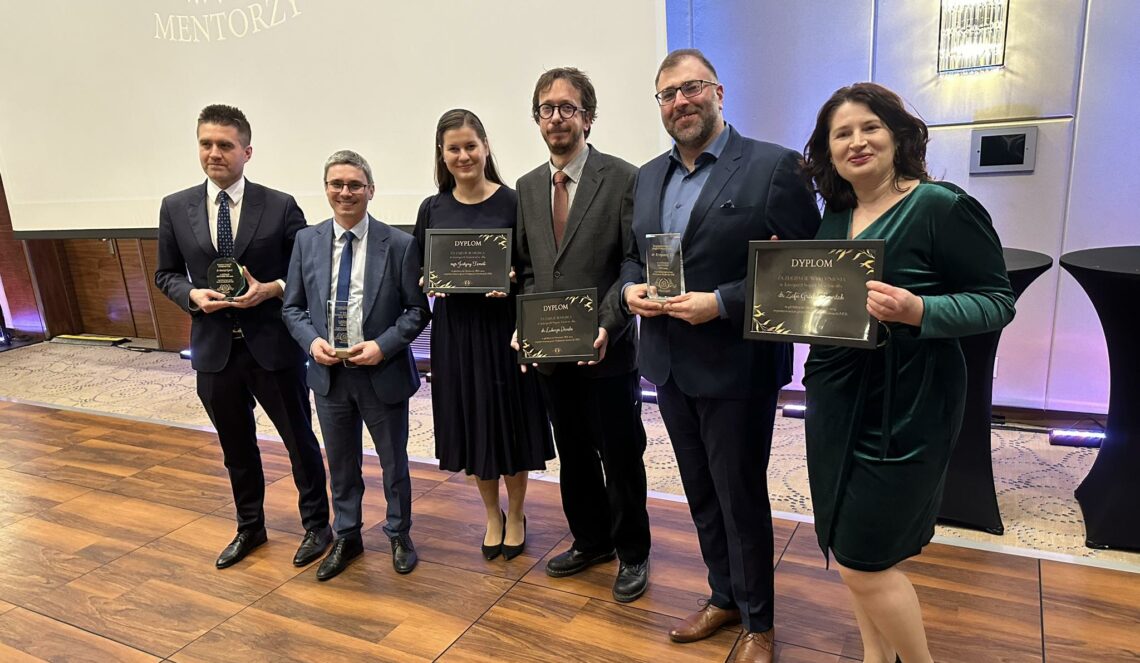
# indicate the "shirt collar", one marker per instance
pixel 360 230
pixel 713 151
pixel 235 191
pixel 573 169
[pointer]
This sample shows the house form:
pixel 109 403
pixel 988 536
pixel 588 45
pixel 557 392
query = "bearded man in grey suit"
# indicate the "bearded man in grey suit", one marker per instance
pixel 575 212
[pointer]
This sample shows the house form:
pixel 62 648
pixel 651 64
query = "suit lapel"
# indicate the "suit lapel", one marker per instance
pixel 657 181
pixel 723 170
pixel 200 222
pixel 251 209
pixel 544 226
pixel 591 181
pixel 323 244
pixel 375 263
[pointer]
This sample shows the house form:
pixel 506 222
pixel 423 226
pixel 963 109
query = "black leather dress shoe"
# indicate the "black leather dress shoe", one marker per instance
pixel 241 546
pixel 632 579
pixel 572 561
pixel 344 550
pixel 511 552
pixel 404 556
pixel 314 544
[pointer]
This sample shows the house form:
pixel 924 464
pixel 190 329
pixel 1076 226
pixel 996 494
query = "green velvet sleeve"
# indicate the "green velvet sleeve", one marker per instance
pixel 967 255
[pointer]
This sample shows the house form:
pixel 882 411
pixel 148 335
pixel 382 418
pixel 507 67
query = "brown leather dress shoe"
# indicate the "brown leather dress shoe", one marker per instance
pixel 703 623
pixel 755 647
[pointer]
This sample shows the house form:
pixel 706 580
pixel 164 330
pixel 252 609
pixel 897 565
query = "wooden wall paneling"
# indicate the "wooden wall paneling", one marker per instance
pixel 16 277
pixel 138 289
pixel 172 324
pixel 51 282
pixel 100 290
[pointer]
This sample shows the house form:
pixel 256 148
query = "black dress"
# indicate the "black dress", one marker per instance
pixel 489 417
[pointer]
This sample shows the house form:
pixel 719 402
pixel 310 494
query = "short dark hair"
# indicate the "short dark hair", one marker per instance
pixel 458 118
pixel 227 116
pixel 349 158
pixel 910 135
pixel 674 58
pixel 575 77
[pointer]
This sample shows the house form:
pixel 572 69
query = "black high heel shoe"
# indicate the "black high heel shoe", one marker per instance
pixel 511 552
pixel 491 552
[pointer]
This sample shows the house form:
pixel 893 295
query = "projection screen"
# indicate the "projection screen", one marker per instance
pixel 99 102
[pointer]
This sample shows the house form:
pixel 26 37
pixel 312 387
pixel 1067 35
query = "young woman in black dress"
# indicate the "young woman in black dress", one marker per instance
pixel 489 418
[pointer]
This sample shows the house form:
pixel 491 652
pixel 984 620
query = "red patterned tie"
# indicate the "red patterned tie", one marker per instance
pixel 561 206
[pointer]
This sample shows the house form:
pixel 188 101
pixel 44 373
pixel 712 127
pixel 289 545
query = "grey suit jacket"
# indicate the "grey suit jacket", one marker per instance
pixel 395 308
pixel 593 246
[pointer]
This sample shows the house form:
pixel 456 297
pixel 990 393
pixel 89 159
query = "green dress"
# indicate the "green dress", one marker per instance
pixel 881 424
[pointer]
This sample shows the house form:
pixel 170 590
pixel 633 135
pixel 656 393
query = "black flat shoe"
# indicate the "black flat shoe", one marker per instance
pixel 491 552
pixel 344 550
pixel 241 546
pixel 315 543
pixel 404 555
pixel 574 561
pixel 511 552
pixel 631 581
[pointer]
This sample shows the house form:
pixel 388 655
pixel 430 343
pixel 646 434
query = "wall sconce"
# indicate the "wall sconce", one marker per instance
pixel 971 35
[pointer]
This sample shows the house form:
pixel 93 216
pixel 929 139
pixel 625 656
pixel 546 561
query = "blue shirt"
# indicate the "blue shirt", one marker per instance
pixel 682 186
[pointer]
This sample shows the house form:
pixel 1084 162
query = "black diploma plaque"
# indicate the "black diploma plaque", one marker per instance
pixel 812 291
pixel 467 260
pixel 558 326
pixel 664 268
pixel 224 276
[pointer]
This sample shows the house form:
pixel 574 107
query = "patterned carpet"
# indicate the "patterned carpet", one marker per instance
pixel 1034 480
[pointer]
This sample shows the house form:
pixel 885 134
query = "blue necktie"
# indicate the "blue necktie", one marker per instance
pixel 225 232
pixel 344 278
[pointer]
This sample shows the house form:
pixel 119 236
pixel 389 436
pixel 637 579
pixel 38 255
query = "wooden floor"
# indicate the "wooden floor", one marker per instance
pixel 109 529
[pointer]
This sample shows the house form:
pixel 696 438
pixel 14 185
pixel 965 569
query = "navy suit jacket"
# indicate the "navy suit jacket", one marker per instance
pixel 268 223
pixel 754 191
pixel 395 308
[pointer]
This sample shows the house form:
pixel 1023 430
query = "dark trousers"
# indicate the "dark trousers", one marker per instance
pixel 229 396
pixel 722 448
pixel 600 442
pixel 352 401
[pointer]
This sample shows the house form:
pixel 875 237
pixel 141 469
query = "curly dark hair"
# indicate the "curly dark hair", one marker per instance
pixel 909 133
pixel 457 118
pixel 227 116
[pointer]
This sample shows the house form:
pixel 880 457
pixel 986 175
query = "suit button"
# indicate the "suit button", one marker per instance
pixel 557 274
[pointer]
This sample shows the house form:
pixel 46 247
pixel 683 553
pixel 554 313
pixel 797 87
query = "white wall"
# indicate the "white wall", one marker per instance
pixel 1071 67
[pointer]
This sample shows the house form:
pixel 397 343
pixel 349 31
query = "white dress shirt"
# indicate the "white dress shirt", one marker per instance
pixel 356 282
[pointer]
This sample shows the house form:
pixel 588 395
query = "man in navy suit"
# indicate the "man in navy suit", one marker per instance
pixel 717 391
pixel 354 258
pixel 241 349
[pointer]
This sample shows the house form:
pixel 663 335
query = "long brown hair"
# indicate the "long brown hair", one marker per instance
pixel 458 118
pixel 909 132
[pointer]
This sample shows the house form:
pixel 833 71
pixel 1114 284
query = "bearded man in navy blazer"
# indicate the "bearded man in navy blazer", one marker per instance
pixel 241 349
pixel 717 391
pixel 355 258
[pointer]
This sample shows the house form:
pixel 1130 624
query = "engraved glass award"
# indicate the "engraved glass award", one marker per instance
pixel 224 276
pixel 664 268
pixel 343 333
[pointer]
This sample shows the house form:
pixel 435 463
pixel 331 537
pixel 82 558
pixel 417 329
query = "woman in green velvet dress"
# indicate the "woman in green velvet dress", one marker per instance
pixel 881 424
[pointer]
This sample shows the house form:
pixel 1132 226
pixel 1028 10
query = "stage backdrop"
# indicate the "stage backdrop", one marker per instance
pixel 99 100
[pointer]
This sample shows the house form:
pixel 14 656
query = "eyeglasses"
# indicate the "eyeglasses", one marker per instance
pixel 689 88
pixel 336 186
pixel 566 111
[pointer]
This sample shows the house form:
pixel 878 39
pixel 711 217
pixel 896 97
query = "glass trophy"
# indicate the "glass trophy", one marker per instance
pixel 225 276
pixel 344 328
pixel 664 267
